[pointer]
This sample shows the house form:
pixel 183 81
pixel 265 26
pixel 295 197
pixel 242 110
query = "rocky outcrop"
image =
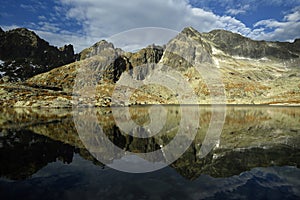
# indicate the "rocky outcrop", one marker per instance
pixel 24 54
pixel 187 49
pixel 236 45
pixel 150 54
pixel 252 72
pixel 1 31
pixel 103 48
pixel 103 60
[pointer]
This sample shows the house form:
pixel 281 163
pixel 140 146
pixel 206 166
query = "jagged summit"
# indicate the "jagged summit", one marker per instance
pixel 230 43
pixel 23 32
pixel 98 48
pixel 235 44
pixel 24 54
pixel 190 31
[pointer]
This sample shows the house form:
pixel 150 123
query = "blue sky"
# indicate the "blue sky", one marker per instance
pixel 84 22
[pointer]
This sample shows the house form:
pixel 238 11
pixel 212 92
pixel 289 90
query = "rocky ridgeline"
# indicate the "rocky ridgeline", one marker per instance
pixel 237 45
pixel 252 72
pixel 23 54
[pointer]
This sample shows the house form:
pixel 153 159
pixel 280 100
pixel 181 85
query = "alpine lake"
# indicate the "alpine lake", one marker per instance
pixel 232 152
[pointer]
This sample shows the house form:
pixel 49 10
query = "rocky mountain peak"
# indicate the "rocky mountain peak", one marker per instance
pixel 297 44
pixel 99 48
pixel 25 54
pixel 193 34
pixel 190 31
pixel 186 49
pixel 235 44
pixel 150 54
pixel 225 34
pixel 24 32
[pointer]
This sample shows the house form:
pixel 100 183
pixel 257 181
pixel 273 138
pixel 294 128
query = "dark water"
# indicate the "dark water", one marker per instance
pixel 44 156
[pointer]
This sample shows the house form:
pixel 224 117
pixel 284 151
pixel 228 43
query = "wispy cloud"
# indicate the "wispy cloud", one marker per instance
pixel 30 8
pixel 10 27
pixel 83 23
pixel 33 5
pixel 65 37
pixel 102 18
pixel 233 3
pixel 286 30
pixel 42 17
pixel 48 26
pixel 240 10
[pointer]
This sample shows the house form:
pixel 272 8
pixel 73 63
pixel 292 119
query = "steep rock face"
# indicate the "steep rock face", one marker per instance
pixel 186 49
pixel 100 48
pixel 251 72
pixel 104 61
pixel 150 54
pixel 24 54
pixel 144 61
pixel 237 45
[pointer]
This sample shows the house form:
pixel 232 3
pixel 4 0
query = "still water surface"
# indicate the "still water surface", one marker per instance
pixel 44 156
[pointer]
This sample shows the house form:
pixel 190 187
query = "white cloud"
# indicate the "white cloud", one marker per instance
pixel 234 3
pixel 101 19
pixel 104 18
pixel 30 8
pixel 6 28
pixel 34 6
pixel 64 38
pixel 47 26
pixel 285 30
pixel 240 10
pixel 42 17
pixel 294 16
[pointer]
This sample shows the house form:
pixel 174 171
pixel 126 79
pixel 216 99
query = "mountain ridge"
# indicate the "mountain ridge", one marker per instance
pixel 24 54
pixel 253 72
pixel 236 44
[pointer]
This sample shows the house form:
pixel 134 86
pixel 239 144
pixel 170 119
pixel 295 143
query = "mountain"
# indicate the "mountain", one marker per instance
pixel 23 54
pixel 237 45
pixel 251 72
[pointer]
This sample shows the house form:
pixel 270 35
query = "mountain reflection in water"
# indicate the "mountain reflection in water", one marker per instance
pixel 257 156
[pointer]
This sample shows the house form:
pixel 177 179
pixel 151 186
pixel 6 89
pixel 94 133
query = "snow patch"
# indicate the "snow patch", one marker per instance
pixel 2 73
pixel 251 59
pixel 241 58
pixel 33 66
pixel 217 64
pixel 216 51
pixel 264 59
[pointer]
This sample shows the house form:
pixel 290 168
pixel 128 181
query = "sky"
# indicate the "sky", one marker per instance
pixel 85 22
